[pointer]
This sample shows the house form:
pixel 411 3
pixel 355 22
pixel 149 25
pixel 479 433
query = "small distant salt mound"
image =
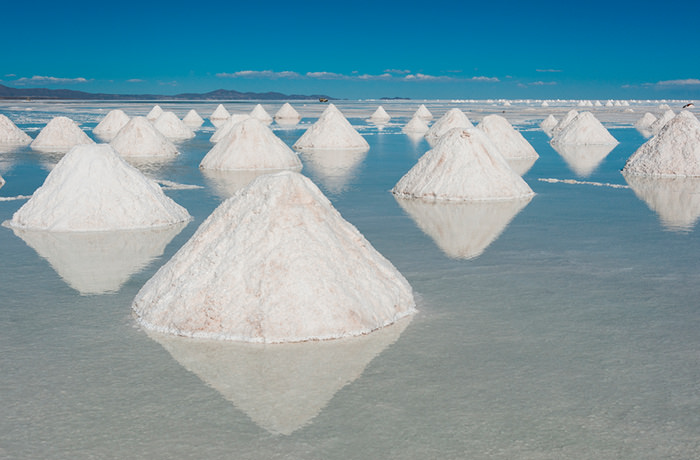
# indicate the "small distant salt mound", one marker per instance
pixel 548 124
pixel 506 104
pixel 453 118
pixel 609 103
pixel 223 130
pixel 2 181
pixel 645 121
pixel 261 114
pixel 660 122
pixel 111 124
pixel 275 263
pixel 155 112
pixel 380 115
pixel 10 134
pixel 585 129
pixel 675 151
pixel 416 125
pixel 192 119
pixel 139 138
pixel 597 104
pixel 250 145
pixel 507 140
pixel 172 127
pixel 60 135
pixel 464 165
pixel 568 118
pixel 664 107
pixel 219 116
pixel 287 112
pixel 423 113
pixel 545 104
pixel 93 189
pixel 585 104
pixel 331 131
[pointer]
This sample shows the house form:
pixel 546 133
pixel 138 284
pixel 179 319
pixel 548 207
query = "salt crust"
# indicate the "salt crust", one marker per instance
pixel 155 112
pixel 453 118
pixel 380 115
pixel 172 127
pixel 192 119
pixel 139 138
pixel 423 113
pixel 93 189
pixel 275 263
pixel 507 140
pixel 261 114
pixel 568 118
pixel 660 122
pixel 10 134
pixel 224 129
pixel 416 125
pixel 464 165
pixel 60 135
pixel 287 112
pixel 645 122
pixel 111 124
pixel 331 131
pixel 220 113
pixel 585 129
pixel 250 145
pixel 675 151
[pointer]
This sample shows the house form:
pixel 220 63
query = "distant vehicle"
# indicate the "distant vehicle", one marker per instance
pixel 322 99
pixel 689 105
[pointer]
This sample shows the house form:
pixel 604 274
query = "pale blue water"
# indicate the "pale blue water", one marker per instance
pixel 574 334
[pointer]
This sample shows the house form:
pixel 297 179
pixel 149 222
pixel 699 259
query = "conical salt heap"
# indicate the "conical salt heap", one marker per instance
pixel 2 181
pixel 223 130
pixel 564 122
pixel 507 140
pixel 647 120
pixel 172 127
pixel 287 112
pixel 380 115
pixel 423 113
pixel 139 138
pixel 464 165
pixel 155 112
pixel 60 135
pixel 10 134
pixel 111 124
pixel 332 131
pixel 675 151
pixel 416 125
pixel 261 114
pixel 548 124
pixel 192 119
pixel 219 116
pixel 275 263
pixel 453 118
pixel 660 122
pixel 585 129
pixel 93 189
pixel 251 145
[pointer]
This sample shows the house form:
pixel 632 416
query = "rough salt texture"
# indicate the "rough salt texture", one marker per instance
pixel 548 124
pixel 568 118
pixel 675 151
pixel 331 131
pixel 225 129
pixel 139 138
pixel 172 127
pixel 155 112
pixel 660 122
pixel 585 129
pixel 380 115
pixel 111 124
pixel 192 119
pixel 453 118
pixel 93 189
pixel 416 125
pixel 250 145
pixel 287 112
pixel 10 134
pixel 463 166
pixel 261 114
pixel 275 263
pixel 220 113
pixel 645 122
pixel 423 113
pixel 60 135
pixel 507 140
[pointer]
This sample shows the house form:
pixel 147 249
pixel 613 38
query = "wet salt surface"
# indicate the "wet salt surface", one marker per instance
pixel 572 335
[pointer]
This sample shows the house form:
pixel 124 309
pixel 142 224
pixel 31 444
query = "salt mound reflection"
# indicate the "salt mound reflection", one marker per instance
pixel 281 387
pixel 521 165
pixel 583 159
pixel 227 183
pixel 463 230
pixel 675 199
pixel 334 168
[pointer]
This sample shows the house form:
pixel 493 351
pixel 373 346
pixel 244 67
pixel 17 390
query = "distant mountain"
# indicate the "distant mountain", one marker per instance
pixel 396 98
pixel 219 95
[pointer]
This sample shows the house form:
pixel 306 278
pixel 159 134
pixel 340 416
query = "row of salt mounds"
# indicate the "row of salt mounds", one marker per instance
pixel 172 127
pixel 111 124
pixel 219 116
pixel 223 130
pixel 193 120
pixel 250 145
pixel 453 118
pixel 423 113
pixel 287 113
pixel 155 112
pixel 10 134
pixel 585 129
pixel 140 139
pixel 380 115
pixel 507 140
pixel 60 135
pixel 261 114
pixel 331 131
pixel 416 125
pixel 464 165
pixel 660 122
pixel 675 151
pixel 275 263
pixel 93 189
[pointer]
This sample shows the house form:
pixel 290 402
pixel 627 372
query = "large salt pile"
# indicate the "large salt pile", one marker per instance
pixel 93 189
pixel 172 127
pixel 219 116
pixel 380 115
pixel 155 112
pixel 585 129
pixel 10 134
pixel 287 114
pixel 251 145
pixel 643 123
pixel 224 129
pixel 675 151
pixel 568 118
pixel 139 138
pixel 111 124
pixel 275 263
pixel 331 131
pixel 548 124
pixel 261 114
pixel 453 118
pixel 507 140
pixel 423 113
pixel 192 119
pixel 60 135
pixel 660 122
pixel 464 165
pixel 416 125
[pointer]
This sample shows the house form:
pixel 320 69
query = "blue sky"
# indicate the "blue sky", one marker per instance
pixel 364 49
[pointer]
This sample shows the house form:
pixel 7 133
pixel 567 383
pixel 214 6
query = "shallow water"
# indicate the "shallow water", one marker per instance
pixel 573 333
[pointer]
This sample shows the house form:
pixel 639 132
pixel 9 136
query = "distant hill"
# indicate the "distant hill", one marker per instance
pixel 7 92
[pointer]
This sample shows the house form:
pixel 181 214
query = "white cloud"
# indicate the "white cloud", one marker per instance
pixel 685 82
pixel 543 83
pixel 487 79
pixel 259 74
pixel 50 80
pixel 548 70
pixel 135 80
pixel 397 71
pixel 10 75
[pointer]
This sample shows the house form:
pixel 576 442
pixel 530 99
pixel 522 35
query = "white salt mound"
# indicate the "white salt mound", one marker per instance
pixel 275 263
pixel 220 113
pixel 111 124
pixel 60 135
pixel 287 112
pixel 675 151
pixel 423 113
pixel 660 122
pixel 261 114
pixel 549 123
pixel 380 115
pixel 192 119
pixel 585 129
pixel 568 118
pixel 331 131
pixel 507 140
pixel 155 112
pixel 2 181
pixel 10 134
pixel 416 125
pixel 545 104
pixel 93 189
pixel 172 127
pixel 223 130
pixel 453 118
pixel 645 121
pixel 464 165
pixel 250 145
pixel 139 138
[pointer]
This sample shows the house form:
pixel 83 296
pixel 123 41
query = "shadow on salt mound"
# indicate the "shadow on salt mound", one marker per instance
pixel 334 169
pixel 281 387
pixel 676 200
pixel 462 230
pixel 226 183
pixel 99 262
pixel 583 159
